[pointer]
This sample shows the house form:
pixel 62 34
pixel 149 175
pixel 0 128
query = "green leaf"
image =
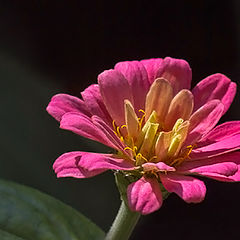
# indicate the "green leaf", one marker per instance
pixel 27 214
pixel 8 236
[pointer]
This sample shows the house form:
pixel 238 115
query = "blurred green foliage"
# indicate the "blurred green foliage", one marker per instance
pixel 29 214
pixel 31 140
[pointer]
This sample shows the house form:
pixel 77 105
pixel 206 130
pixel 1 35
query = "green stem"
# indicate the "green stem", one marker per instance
pixel 123 224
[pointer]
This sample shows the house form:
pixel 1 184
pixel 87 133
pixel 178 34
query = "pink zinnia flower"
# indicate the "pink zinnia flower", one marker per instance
pixel 161 131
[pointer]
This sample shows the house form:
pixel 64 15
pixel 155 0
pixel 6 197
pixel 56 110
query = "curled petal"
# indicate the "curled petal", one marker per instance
pixel 203 120
pixel 93 101
pixel 222 168
pixel 190 189
pixel 85 165
pixel 137 77
pixel 180 107
pixel 131 120
pixel 162 144
pixel 220 132
pixel 177 72
pixel 114 89
pixel 82 125
pixel 216 86
pixel 64 103
pixel 144 195
pixel 158 98
pixel 230 144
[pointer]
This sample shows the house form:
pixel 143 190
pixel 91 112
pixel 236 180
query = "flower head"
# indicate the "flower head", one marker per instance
pixel 162 132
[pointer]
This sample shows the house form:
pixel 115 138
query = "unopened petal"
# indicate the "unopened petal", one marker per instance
pixel 162 145
pixel 151 119
pixel 180 107
pixel 148 140
pixel 131 120
pixel 159 98
pixel 144 195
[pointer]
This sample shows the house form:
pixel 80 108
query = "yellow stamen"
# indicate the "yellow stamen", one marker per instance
pixel 127 148
pixel 133 150
pixel 188 150
pixel 114 125
pixel 140 159
pixel 152 158
pixel 140 120
pixel 177 161
pixel 155 174
pixel 142 111
pixel 118 131
pixel 185 155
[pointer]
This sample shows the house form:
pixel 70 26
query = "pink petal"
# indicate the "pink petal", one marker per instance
pixel 144 195
pixel 218 177
pixel 204 119
pixel 93 101
pixel 152 66
pixel 177 72
pixel 115 89
pixel 216 86
pixel 229 144
pixel 160 166
pixel 137 77
pixel 220 132
pixel 108 132
pixel 67 166
pixel 84 165
pixel 224 167
pixel 190 189
pixel 64 103
pixel 83 125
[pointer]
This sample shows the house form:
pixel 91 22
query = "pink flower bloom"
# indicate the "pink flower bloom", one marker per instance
pixel 161 131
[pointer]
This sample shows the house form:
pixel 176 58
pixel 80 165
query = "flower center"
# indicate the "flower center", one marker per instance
pixel 147 141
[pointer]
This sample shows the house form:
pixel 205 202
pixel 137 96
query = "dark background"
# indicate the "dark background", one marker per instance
pixel 49 47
